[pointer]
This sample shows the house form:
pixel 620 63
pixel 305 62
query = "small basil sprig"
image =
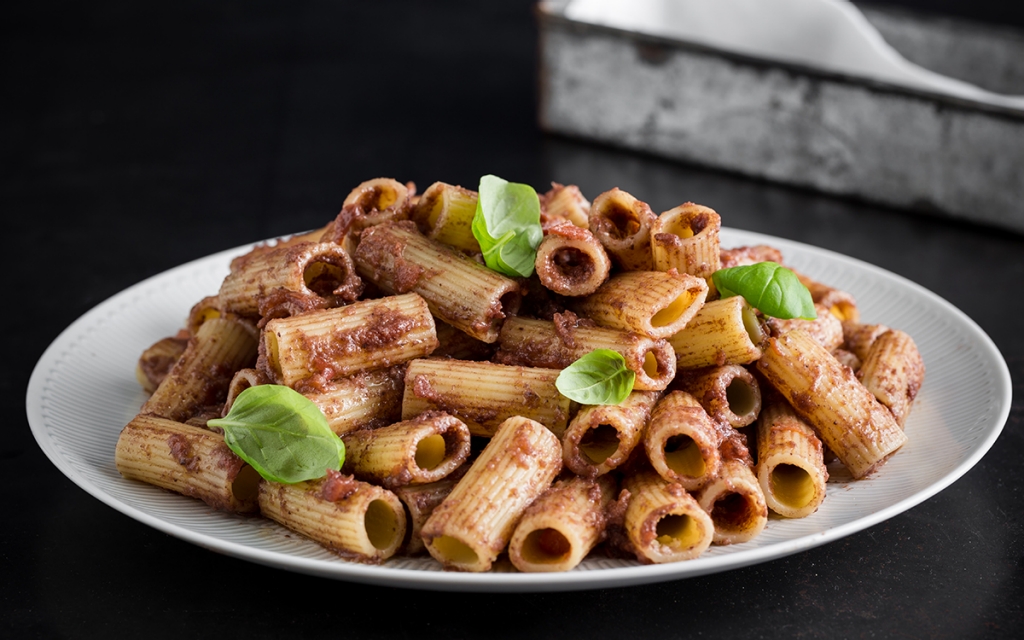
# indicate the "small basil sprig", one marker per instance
pixel 769 287
pixel 282 434
pixel 507 225
pixel 600 377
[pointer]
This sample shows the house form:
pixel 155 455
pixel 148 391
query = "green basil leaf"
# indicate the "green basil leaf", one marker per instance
pixel 282 434
pixel 600 377
pixel 507 225
pixel 769 287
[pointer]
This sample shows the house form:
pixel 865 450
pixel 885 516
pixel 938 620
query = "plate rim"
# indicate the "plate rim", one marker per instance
pixel 517 582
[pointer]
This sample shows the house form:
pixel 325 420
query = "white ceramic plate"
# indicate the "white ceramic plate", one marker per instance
pixel 83 391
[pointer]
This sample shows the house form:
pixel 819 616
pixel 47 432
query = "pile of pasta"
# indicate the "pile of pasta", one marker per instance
pixel 438 373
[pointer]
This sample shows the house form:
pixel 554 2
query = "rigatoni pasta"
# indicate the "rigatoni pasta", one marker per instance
pixel 558 343
pixel 682 441
pixel 468 530
pixel 188 460
pixel 484 394
pixel 623 225
pixel 854 425
pixel 560 527
pixel 416 451
pixel 657 304
pixel 458 290
pixel 357 520
pixel 790 461
pixel 663 522
pixel 570 261
pixel 439 356
pixel 686 239
pixel 334 343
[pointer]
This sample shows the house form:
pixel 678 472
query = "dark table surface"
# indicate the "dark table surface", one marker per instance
pixel 138 136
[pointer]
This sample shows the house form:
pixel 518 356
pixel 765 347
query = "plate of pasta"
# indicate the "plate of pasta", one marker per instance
pixel 86 388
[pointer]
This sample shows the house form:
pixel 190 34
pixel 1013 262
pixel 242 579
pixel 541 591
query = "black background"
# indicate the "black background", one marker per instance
pixel 137 136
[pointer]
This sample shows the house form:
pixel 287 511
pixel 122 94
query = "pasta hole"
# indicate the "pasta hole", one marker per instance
pixel 598 444
pixel 430 451
pixel 455 551
pixel 673 311
pixel 843 310
pixel 678 531
pixel 378 198
pixel 273 350
pixel 683 456
pixel 680 228
pixel 208 314
pixel 752 325
pixel 732 512
pixel 545 546
pixel 246 484
pixel 433 202
pixel 651 367
pixel 624 222
pixel 381 524
pixel 740 396
pixel 792 485
pixel 322 278
pixel 575 265
pixel 509 303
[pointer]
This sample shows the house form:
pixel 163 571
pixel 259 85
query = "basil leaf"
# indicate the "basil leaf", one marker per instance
pixel 507 225
pixel 769 287
pixel 600 377
pixel 282 434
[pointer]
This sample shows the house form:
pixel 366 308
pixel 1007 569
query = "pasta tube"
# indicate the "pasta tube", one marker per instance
pixel 473 525
pixel 570 261
pixel 364 400
pixel 356 520
pixel 858 338
pixel 722 332
pixel 458 290
pixel 242 380
pixel 200 377
pixel 157 360
pixel 371 203
pixel 334 343
pixel 561 527
pixel 416 451
pixel 420 500
pixel 859 430
pixel 602 437
pixel 557 344
pixel 682 442
pixel 735 503
pixel 564 203
pixel 657 304
pixel 663 522
pixel 826 328
pixel 188 460
pixel 743 256
pixel 790 461
pixel 686 239
pixel 730 394
pixel 445 213
pixel 484 394
pixel 893 372
pixel 622 224
pixel 321 275
pixel 836 303
pixel 208 307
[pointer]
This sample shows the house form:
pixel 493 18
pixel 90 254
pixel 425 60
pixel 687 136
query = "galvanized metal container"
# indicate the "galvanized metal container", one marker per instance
pixel 799 125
